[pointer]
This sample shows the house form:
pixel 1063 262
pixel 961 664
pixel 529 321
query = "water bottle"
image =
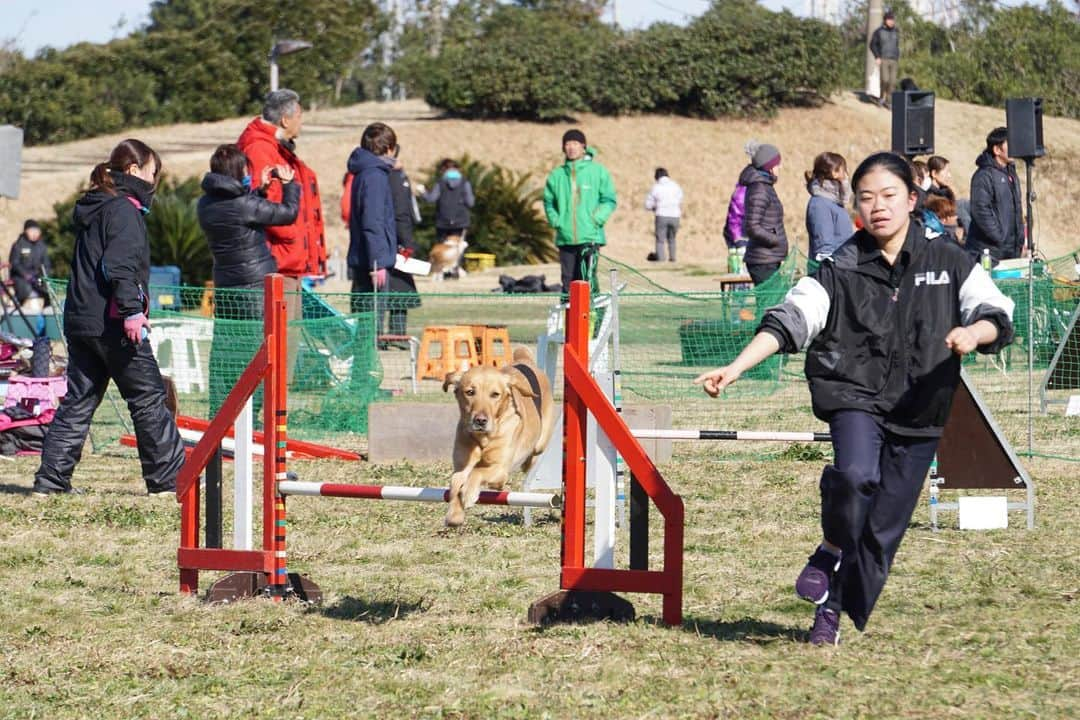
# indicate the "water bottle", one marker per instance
pixel 987 263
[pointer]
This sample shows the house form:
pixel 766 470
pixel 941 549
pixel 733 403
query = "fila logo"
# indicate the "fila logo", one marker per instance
pixel 932 277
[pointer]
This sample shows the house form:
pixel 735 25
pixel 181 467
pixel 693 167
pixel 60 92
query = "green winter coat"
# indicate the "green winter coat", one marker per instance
pixel 579 197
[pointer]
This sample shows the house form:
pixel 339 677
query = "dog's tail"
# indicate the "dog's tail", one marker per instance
pixel 522 354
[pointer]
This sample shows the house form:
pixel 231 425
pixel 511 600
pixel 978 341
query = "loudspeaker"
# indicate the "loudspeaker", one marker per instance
pixel 11 142
pixel 913 122
pixel 1024 117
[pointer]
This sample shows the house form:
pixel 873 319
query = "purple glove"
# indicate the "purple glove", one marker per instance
pixel 136 328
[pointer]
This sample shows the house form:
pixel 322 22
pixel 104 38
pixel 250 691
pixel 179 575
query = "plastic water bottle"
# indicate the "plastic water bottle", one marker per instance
pixel 987 263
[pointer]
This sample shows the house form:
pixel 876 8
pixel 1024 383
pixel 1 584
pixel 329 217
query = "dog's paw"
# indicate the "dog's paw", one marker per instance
pixel 455 518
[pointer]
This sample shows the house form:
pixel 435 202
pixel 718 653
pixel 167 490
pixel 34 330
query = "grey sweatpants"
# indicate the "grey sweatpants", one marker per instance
pixel 666 228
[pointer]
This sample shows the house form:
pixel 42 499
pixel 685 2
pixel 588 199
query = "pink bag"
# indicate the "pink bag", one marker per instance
pixel 36 395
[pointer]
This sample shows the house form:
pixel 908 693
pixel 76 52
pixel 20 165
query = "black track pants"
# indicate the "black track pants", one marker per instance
pixel 867 498
pixel 92 362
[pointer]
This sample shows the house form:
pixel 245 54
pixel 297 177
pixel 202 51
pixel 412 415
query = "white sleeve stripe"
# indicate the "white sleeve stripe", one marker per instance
pixel 978 290
pixel 812 302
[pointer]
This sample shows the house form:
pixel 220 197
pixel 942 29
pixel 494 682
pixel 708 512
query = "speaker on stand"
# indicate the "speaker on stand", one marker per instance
pixel 1023 120
pixel 913 123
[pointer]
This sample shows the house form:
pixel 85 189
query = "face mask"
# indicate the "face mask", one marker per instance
pixel 453 175
pixel 246 182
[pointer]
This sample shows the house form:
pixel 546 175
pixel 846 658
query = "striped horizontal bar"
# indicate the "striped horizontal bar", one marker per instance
pixel 397 492
pixel 750 435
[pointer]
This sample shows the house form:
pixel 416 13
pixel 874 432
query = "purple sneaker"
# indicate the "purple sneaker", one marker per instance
pixel 813 582
pixel 826 630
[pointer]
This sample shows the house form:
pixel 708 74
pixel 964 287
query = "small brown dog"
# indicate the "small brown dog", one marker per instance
pixel 444 256
pixel 507 417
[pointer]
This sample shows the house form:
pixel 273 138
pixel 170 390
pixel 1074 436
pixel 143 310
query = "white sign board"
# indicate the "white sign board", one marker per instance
pixel 11 142
pixel 984 513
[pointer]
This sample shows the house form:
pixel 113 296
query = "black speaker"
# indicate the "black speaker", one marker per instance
pixel 1023 116
pixel 913 122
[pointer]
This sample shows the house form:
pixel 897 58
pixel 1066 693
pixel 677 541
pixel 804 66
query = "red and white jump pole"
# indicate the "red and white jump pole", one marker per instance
pixel 414 494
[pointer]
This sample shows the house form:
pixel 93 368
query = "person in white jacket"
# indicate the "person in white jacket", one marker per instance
pixel 665 201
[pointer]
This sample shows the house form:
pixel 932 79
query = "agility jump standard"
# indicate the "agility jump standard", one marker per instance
pixel 264 572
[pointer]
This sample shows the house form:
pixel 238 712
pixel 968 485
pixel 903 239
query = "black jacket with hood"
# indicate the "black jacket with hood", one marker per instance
pixel 763 221
pixel 233 220
pixel 110 267
pixel 997 222
pixel 874 334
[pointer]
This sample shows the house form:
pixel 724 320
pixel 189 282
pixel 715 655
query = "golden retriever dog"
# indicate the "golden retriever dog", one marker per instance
pixel 446 255
pixel 507 416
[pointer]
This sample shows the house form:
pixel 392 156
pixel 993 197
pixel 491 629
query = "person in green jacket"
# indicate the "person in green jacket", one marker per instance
pixel 579 197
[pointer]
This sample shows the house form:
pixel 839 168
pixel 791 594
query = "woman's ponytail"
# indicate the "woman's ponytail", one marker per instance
pixel 101 178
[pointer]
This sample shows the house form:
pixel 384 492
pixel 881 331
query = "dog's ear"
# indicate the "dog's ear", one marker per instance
pixel 452 378
pixel 519 383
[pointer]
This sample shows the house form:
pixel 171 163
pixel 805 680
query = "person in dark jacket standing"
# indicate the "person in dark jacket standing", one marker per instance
pixel 234 219
pixel 997 222
pixel 763 222
pixel 453 198
pixel 372 230
pixel 885 47
pixel 827 222
pixel 29 255
pixel 402 286
pixel 884 322
pixel 106 323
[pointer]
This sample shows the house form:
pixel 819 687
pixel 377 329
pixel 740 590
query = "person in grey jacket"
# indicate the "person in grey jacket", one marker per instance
pixel 997 221
pixel 453 198
pixel 885 47
pixel 827 222
pixel 763 223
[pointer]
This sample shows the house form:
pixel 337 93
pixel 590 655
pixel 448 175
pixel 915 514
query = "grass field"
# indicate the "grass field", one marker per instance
pixel 423 622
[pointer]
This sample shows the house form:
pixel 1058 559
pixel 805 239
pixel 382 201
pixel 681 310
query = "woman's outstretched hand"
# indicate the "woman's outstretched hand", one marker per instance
pixel 714 381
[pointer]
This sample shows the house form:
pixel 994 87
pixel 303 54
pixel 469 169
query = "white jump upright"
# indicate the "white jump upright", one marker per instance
pixel 243 478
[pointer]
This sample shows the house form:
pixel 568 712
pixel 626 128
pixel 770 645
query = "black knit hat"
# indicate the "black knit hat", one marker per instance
pixel 30 224
pixel 574 134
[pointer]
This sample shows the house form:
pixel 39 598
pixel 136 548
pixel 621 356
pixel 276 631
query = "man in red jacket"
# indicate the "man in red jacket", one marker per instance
pixel 299 248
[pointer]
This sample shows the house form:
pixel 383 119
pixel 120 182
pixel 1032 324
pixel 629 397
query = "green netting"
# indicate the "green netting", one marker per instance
pixel 666 338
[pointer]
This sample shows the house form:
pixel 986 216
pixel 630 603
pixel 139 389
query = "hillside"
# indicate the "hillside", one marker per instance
pixel 704 156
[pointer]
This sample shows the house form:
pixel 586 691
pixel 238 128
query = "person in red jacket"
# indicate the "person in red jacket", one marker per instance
pixel 300 247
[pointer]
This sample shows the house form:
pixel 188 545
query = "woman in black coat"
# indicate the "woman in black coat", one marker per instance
pixel 234 219
pixel 763 222
pixel 106 321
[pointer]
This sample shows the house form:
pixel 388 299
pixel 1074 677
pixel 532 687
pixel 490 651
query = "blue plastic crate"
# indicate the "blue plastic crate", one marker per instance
pixel 165 287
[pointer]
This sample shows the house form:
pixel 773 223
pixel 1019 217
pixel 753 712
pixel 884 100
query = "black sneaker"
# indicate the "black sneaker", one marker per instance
pixel 826 630
pixel 813 582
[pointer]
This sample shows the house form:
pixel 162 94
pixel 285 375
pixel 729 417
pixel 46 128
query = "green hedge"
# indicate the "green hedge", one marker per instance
pixel 737 59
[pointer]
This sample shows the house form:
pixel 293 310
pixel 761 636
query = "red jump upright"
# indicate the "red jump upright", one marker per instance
pixel 267 565
pixel 587 591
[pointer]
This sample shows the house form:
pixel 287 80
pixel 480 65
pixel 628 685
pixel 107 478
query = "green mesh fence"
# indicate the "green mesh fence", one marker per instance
pixel 666 338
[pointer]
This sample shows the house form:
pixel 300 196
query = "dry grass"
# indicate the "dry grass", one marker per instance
pixel 704 156
pixel 420 622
